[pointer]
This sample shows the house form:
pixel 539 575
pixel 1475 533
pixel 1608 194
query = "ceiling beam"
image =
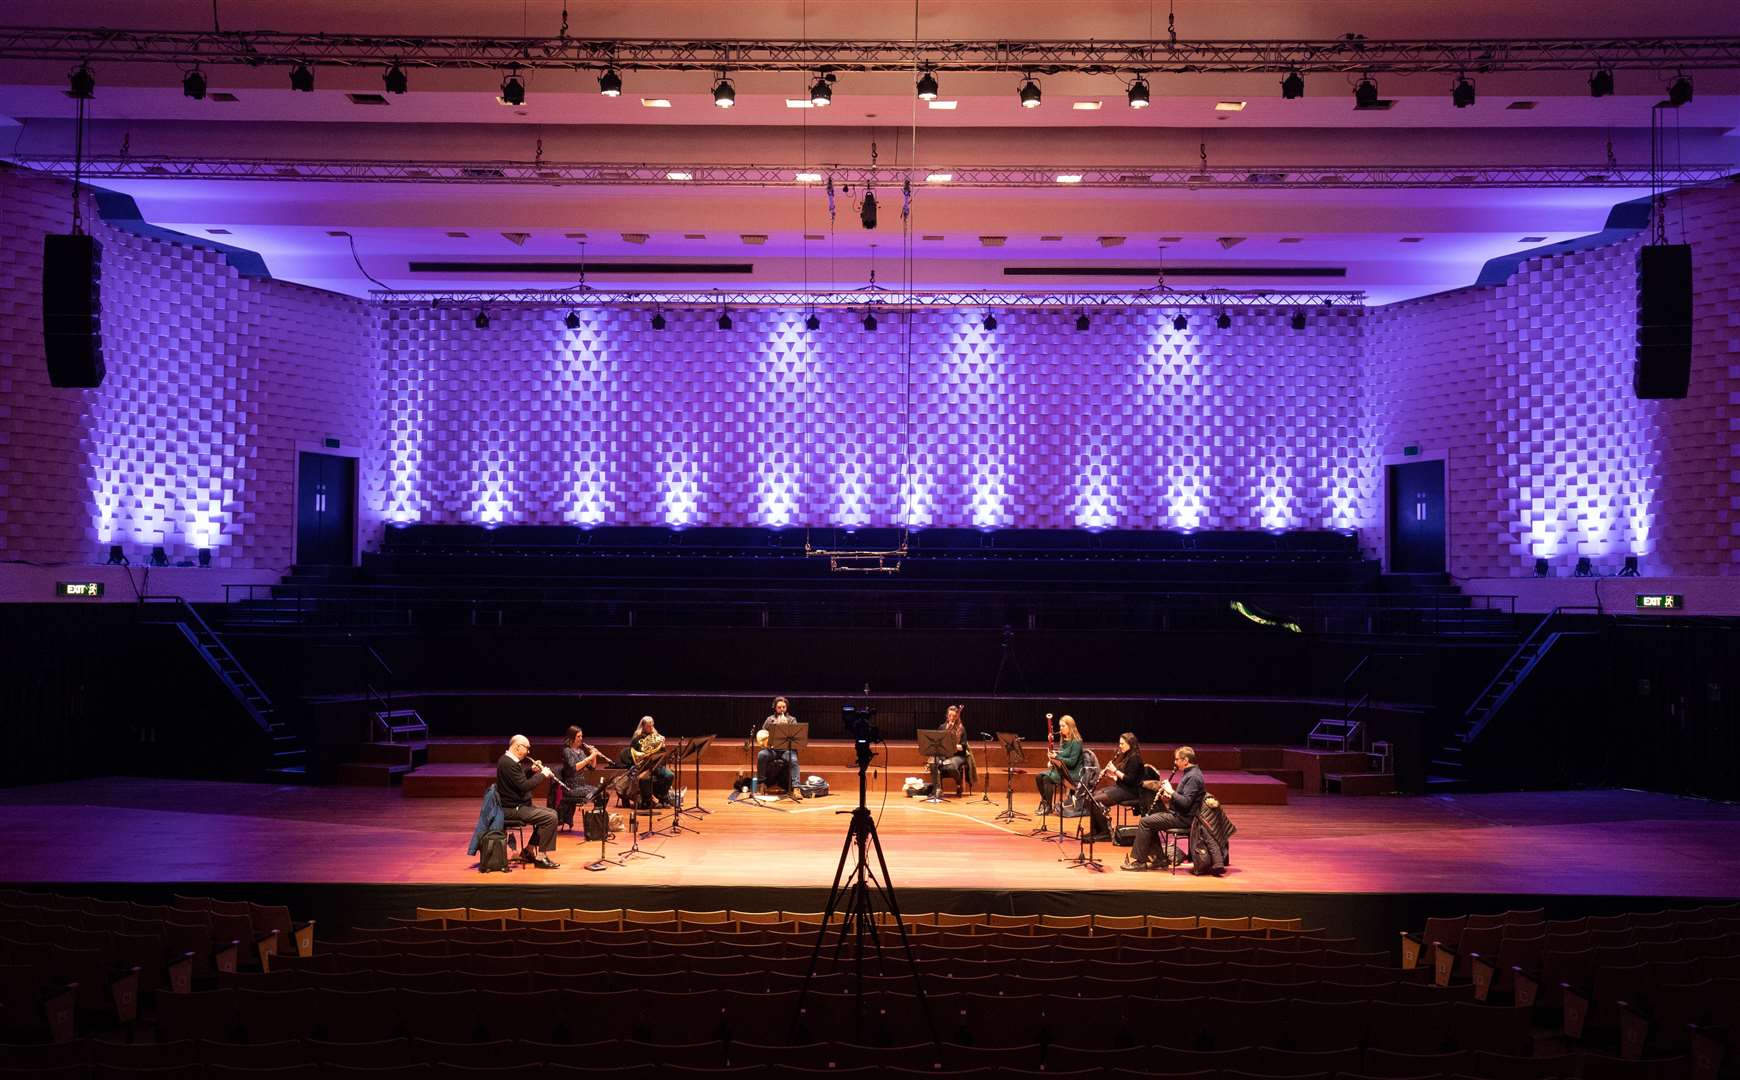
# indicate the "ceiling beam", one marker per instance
pixel 882 299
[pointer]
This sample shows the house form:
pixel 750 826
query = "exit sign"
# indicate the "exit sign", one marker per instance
pixel 79 590
pixel 1660 601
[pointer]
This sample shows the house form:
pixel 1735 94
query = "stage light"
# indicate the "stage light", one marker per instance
pixel 990 321
pixel 1630 567
pixel 927 87
pixel 193 85
pixel 1081 321
pixel 724 94
pixel 117 556
pixel 724 320
pixel 395 80
pixel 1585 568
pixel 821 94
pixel 1138 93
pixel 658 320
pixel 572 322
pixel 867 212
pixel 81 83
pixel 302 79
pixel 1030 94
pixel 513 91
pixel 1223 320
pixel 610 83
pixel 1365 94
pixel 1541 568
pixel 1298 320
pixel 1179 322
pixel 481 321
pixel 813 323
pixel 1462 92
pixel 204 557
pixel 869 320
pixel 1679 91
pixel 1601 83
pixel 159 557
pixel 1292 87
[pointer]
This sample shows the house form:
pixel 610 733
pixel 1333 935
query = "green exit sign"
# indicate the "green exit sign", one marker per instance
pixel 79 590
pixel 1660 601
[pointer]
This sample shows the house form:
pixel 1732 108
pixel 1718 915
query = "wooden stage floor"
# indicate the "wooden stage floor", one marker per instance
pixel 1602 843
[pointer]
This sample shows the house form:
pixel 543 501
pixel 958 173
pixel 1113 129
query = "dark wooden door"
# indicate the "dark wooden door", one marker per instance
pixel 1416 518
pixel 325 509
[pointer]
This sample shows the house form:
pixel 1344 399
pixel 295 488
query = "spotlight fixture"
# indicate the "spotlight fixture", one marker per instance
pixel 869 319
pixel 1541 568
pixel 482 320
pixel 1223 321
pixel 1298 320
pixel 1179 322
pixel 1630 567
pixel 813 323
pixel 867 212
pixel 1601 83
pixel 81 83
pixel 572 322
pixel 822 94
pixel 990 321
pixel 513 90
pixel 1365 94
pixel 927 87
pixel 159 557
pixel 302 79
pixel 1030 94
pixel 610 83
pixel 204 557
pixel 724 320
pixel 1680 90
pixel 193 85
pixel 724 94
pixel 395 80
pixel 1462 92
pixel 1293 86
pixel 658 320
pixel 1081 321
pixel 1585 568
pixel 1138 93
pixel 117 556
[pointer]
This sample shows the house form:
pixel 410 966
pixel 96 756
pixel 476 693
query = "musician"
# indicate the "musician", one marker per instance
pixel 776 766
pixel 1178 804
pixel 655 785
pixel 1125 773
pixel 960 763
pixel 515 780
pixel 1065 764
pixel 571 790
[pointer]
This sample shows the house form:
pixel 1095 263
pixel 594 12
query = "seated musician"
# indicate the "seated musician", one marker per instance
pixel 570 789
pixel 655 785
pixel 1177 805
pixel 516 778
pixel 1125 773
pixel 1065 766
pixel 959 764
pixel 775 766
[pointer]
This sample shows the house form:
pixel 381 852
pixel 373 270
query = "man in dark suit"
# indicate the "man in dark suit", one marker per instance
pixel 1177 806
pixel 515 780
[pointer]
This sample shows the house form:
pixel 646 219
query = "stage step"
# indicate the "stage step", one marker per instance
pixel 1316 765
pixel 1372 783
pixel 371 773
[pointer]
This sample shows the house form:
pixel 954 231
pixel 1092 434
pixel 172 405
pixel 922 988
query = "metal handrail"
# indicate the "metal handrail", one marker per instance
pixel 187 614
pixel 1538 636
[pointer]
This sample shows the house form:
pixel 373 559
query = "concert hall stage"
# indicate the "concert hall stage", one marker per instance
pixel 1360 866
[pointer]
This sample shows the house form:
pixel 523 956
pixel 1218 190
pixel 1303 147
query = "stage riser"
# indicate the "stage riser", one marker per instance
pixel 831 753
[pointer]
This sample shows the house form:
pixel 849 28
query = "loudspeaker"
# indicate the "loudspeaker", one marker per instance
pixel 72 310
pixel 1663 367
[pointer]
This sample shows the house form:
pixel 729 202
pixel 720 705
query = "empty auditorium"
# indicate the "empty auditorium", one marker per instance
pixel 804 539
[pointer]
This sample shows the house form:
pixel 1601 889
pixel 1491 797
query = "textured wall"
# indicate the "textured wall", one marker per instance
pixel 212 380
pixel 1131 424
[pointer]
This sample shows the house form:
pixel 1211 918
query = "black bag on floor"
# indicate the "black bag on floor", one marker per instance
pixel 492 852
pixel 1124 835
pixel 596 824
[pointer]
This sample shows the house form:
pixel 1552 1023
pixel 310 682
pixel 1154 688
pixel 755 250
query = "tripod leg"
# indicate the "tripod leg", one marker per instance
pixel 827 916
pixel 905 942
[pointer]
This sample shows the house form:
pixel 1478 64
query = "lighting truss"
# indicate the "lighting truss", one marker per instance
pixel 641 174
pixel 880 299
pixel 1352 53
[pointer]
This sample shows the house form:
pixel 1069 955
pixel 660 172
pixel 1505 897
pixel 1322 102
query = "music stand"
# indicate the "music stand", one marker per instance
pixel 676 757
pixel 635 772
pixel 787 738
pixel 695 748
pixel 1012 753
pixel 933 743
pixel 1084 850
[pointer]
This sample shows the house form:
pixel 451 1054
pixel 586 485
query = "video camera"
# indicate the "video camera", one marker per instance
pixel 860 723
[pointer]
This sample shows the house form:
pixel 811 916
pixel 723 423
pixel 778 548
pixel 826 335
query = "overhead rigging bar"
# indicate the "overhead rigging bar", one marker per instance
pixel 879 298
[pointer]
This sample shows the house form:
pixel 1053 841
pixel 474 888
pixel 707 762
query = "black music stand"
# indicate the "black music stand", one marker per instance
pixel 933 743
pixel 787 738
pixel 1084 850
pixel 635 772
pixel 676 758
pixel 1012 753
pixel 697 746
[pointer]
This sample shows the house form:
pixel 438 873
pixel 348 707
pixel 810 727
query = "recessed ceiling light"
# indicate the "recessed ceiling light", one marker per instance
pixel 1531 240
pixel 1521 105
pixel 221 96
pixel 992 241
pixel 1229 106
pixel 1289 240
pixel 1069 178
pixel 809 178
pixel 1412 239
pixel 633 237
pixel 655 102
pixel 572 236
pixel 366 99
pixel 1051 239
pixel 1085 106
pixel 1172 239
pixel 694 236
pixel 931 236
pixel 799 103
pixel 678 175
pixel 458 235
pixel 753 239
pixel 941 104
pixel 1111 241
pixel 939 177
pixel 218 232
pixel 814 236
pixel 336 232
